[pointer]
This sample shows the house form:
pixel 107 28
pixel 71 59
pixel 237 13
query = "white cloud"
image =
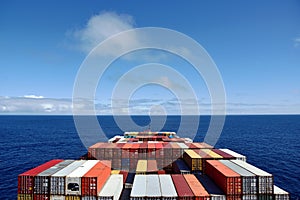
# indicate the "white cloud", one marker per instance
pixel 102 26
pixel 22 105
pixel 297 42
pixel 33 96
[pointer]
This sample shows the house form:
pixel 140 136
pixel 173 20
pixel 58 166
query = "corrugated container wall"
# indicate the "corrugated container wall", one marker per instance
pixel 26 179
pixel 196 187
pixel 235 154
pixel 152 187
pixel 93 181
pixel 58 180
pixel 215 192
pixel 168 191
pixel 139 186
pixel 193 160
pixel 42 180
pixel 264 179
pixel 280 194
pixel 73 180
pixel 228 180
pixel 182 188
pixel 112 189
pixel 248 178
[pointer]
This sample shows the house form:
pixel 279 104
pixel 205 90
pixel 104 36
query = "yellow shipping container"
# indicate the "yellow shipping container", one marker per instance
pixel 212 154
pixel 115 172
pixel 25 197
pixel 72 197
pixel 141 167
pixel 193 160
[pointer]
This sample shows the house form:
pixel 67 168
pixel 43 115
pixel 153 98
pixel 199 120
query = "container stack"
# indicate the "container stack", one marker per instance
pixel 142 166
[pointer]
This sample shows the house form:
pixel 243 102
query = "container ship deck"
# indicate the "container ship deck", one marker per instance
pixel 150 166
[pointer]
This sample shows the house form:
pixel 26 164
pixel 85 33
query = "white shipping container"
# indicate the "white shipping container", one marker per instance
pixel 58 180
pixel 57 197
pixel 264 179
pixel 249 197
pixel 153 187
pixel 248 178
pixel 112 189
pixel 139 187
pixel 280 194
pixel 168 191
pixel 42 180
pixel 235 154
pixel 73 180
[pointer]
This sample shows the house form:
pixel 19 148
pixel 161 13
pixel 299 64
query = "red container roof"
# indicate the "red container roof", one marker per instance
pixel 226 171
pixel 35 171
pixel 182 188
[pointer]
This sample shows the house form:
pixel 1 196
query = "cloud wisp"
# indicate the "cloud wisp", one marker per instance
pixel 52 106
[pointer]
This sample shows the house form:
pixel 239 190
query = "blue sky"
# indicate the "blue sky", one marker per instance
pixel 255 45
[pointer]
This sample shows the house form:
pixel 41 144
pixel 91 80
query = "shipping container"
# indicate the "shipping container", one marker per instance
pixel 112 189
pixel 225 155
pixel 227 179
pixel 167 188
pixel 57 197
pixel 235 154
pixel 41 197
pixel 73 180
pixel 198 190
pixel 182 188
pixel 139 186
pixel 152 166
pixel 152 187
pixel 125 174
pixel 129 180
pixel 212 154
pixel 183 147
pixel 193 160
pixel 93 181
pixel 265 196
pixel 42 180
pixel 248 178
pixel 249 197
pixel 71 197
pixel 25 196
pixel 264 179
pixel 125 150
pixel 58 180
pixel 280 194
pixel 180 167
pixel 159 151
pixel 26 179
pixel 141 167
pixel 210 186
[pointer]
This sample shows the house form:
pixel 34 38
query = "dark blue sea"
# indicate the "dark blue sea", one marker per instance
pixel 271 142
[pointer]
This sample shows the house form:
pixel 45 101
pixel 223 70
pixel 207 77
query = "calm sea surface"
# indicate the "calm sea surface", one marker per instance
pixel 270 142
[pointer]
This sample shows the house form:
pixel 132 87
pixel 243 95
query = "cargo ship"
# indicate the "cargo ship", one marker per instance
pixel 150 166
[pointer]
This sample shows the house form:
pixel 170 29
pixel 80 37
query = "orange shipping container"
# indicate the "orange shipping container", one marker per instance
pixel 93 181
pixel 196 187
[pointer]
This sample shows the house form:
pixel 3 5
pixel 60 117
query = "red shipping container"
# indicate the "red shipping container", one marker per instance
pixel 125 174
pixel 152 166
pixel 125 150
pixel 196 187
pixel 227 179
pixel 134 151
pixel 159 151
pixel 93 181
pixel 151 150
pixel 41 197
pixel 26 179
pixel 183 190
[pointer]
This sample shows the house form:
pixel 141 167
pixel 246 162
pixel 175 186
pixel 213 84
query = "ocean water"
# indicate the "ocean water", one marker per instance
pixel 270 142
